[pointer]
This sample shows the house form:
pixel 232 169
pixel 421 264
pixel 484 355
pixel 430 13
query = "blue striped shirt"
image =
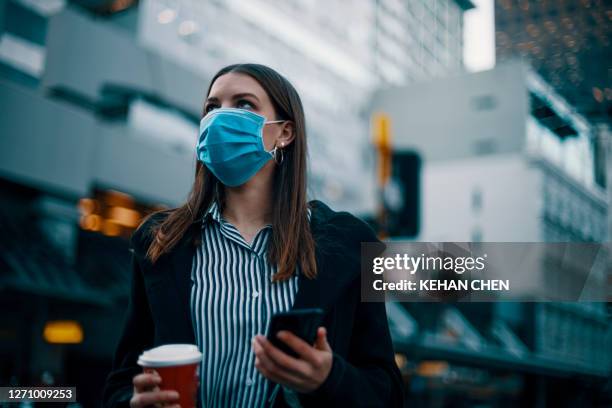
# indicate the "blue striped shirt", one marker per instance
pixel 232 300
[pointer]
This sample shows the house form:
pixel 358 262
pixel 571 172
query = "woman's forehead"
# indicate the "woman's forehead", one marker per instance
pixel 233 83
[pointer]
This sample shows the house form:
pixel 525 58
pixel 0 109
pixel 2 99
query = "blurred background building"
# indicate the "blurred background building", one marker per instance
pixel 522 170
pixel 100 102
pixel 568 43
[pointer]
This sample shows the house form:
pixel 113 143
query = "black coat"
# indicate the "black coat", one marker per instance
pixel 363 373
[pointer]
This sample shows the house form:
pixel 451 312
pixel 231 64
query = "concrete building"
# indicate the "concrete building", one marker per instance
pixel 500 141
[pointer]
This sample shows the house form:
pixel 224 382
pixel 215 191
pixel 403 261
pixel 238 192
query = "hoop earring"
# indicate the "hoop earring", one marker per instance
pixel 276 156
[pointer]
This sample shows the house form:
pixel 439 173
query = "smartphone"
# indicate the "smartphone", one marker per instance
pixel 301 322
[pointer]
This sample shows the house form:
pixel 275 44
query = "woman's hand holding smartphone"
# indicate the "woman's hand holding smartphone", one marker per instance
pixel 310 364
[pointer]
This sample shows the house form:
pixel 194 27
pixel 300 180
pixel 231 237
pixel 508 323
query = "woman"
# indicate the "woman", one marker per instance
pixel 247 245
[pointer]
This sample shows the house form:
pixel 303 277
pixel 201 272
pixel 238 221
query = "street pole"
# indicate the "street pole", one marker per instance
pixel 382 142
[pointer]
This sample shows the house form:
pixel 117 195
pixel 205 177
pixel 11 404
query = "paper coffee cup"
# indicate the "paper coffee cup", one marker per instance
pixel 177 365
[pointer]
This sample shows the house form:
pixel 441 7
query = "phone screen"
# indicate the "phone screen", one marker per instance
pixel 301 322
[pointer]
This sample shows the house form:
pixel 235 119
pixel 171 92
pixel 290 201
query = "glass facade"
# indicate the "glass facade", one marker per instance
pixel 568 43
pixel 415 40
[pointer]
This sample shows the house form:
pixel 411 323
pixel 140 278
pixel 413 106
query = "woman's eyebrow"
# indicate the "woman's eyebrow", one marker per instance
pixel 237 96
pixel 242 95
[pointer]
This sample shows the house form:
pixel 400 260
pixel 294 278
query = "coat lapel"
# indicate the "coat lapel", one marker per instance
pixel 181 264
pixel 334 273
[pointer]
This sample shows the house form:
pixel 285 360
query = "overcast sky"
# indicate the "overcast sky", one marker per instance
pixel 479 37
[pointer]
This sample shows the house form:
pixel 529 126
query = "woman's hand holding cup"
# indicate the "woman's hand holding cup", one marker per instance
pixel 147 392
pixel 170 377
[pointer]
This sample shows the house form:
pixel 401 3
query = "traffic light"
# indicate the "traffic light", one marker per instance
pixel 398 179
pixel 382 141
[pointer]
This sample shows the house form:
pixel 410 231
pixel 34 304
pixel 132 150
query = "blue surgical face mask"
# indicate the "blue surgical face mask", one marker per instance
pixel 231 144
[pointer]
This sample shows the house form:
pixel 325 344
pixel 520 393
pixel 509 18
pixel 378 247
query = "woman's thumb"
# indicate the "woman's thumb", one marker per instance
pixel 321 342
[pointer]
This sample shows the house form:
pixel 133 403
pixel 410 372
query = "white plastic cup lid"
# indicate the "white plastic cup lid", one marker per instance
pixel 170 355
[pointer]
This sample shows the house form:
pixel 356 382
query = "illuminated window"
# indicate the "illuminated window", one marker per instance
pixel 113 213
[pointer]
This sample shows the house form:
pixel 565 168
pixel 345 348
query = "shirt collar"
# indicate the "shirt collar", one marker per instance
pixel 214 213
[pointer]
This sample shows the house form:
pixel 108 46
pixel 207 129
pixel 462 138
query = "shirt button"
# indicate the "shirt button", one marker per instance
pixel 249 382
pixel 255 294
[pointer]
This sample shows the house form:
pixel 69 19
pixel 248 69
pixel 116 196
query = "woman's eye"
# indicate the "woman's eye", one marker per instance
pixel 244 104
pixel 209 108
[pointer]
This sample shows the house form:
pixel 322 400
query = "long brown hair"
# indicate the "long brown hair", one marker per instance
pixel 292 243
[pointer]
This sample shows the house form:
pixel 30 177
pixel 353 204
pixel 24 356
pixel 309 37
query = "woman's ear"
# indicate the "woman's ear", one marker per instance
pixel 287 134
